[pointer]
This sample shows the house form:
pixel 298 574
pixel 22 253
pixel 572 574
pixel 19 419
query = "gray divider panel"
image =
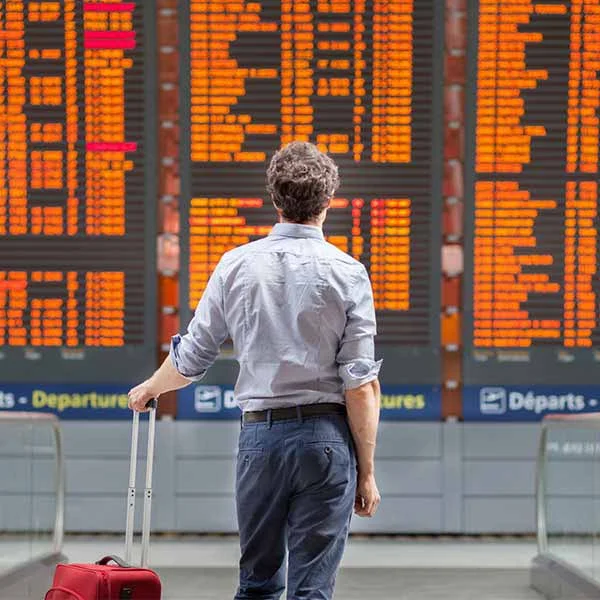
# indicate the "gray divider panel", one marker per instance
pixel 499 466
pixel 205 454
pixel 409 475
pixel 434 478
pixel 97 464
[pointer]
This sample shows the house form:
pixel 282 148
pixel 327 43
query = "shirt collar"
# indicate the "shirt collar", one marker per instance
pixel 296 230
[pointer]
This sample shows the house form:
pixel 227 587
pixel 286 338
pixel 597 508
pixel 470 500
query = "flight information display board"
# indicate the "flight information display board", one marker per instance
pixel 77 168
pixel 359 80
pixel 532 182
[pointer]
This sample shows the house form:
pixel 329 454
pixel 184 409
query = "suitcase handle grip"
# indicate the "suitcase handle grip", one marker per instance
pixel 118 561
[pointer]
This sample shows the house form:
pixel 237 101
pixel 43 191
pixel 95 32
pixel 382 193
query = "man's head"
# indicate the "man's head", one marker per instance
pixel 302 181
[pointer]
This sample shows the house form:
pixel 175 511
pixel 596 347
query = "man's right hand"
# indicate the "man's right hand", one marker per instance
pixel 367 496
pixel 140 395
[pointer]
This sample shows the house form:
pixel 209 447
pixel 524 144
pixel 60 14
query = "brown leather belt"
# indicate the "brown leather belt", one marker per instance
pixel 294 412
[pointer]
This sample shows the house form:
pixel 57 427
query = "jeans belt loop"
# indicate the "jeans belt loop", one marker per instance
pixel 299 413
pixel 269 418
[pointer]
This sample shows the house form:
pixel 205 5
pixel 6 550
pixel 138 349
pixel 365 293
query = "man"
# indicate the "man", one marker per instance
pixel 301 316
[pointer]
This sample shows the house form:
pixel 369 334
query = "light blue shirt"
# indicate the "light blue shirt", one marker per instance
pixel 301 316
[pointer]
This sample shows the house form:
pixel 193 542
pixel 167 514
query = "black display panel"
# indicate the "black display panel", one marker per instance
pixel 358 79
pixel 531 280
pixel 77 191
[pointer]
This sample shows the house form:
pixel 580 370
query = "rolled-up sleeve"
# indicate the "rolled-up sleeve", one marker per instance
pixel 193 353
pixel 356 354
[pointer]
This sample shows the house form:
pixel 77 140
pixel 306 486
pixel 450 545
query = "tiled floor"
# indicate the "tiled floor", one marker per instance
pixel 369 583
pixel 373 568
pixel 215 552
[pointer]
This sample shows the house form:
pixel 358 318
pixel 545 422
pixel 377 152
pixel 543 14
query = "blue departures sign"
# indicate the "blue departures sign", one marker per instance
pixel 527 403
pixel 399 402
pixel 89 401
pixel 80 401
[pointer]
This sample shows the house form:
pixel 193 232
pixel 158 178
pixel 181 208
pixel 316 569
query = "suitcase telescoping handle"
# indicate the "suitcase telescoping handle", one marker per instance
pixel 147 489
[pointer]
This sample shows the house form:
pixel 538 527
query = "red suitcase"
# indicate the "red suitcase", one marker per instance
pixel 103 581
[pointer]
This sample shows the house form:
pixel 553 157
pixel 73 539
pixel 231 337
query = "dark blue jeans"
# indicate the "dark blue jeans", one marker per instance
pixel 296 484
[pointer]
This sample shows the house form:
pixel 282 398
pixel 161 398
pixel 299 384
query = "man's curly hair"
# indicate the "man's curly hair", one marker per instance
pixel 301 181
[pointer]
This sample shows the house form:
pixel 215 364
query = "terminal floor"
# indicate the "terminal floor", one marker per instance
pixel 369 583
pixel 210 552
pixel 204 568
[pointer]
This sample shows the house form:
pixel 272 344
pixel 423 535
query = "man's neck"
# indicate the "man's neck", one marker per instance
pixel 311 223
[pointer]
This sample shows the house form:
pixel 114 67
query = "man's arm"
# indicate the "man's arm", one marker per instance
pixel 362 406
pixel 191 354
pixel 358 370
pixel 165 379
